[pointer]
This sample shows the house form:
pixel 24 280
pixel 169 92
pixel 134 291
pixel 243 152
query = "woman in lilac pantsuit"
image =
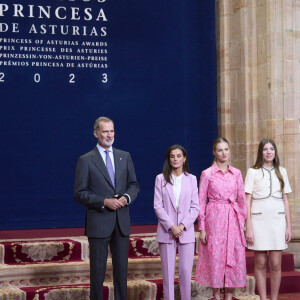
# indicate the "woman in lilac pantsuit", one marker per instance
pixel 176 206
pixel 221 261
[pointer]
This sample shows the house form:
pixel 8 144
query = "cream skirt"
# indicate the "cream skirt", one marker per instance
pixel 268 224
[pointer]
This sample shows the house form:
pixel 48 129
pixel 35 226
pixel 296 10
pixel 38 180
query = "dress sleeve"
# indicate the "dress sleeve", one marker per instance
pixel 241 197
pixel 203 188
pixel 287 187
pixel 249 182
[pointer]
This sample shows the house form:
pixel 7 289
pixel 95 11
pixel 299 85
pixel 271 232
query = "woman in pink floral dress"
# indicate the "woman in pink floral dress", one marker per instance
pixel 221 261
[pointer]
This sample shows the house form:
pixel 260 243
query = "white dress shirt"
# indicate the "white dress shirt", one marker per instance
pixel 177 188
pixel 111 155
pixel 103 155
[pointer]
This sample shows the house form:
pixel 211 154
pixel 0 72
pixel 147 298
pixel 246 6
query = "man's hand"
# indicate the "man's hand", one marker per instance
pixel 123 200
pixel 113 203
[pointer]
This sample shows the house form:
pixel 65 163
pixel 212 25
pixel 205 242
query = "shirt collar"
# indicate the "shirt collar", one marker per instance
pixel 102 150
pixel 215 168
pixel 176 177
pixel 268 169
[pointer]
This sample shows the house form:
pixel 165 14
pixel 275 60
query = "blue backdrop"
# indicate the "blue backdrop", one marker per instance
pixel 160 90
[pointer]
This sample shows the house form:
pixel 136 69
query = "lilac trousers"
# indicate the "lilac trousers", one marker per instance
pixel 168 262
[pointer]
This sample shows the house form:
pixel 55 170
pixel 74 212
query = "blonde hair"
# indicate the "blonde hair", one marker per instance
pixel 217 141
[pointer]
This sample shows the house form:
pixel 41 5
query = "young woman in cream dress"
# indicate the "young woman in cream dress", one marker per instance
pixel 268 225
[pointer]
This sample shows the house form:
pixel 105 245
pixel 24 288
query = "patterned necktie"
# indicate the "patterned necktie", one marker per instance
pixel 110 168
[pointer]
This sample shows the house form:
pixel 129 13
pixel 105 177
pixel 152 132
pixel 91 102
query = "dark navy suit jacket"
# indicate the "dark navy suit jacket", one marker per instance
pixel 93 185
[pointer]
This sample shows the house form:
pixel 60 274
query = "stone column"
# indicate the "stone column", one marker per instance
pixel 258 76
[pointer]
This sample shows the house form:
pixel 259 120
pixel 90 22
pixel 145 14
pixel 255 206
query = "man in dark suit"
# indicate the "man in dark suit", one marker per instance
pixel 105 182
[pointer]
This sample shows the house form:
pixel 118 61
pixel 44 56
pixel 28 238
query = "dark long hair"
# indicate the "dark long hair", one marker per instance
pixel 276 163
pixel 167 168
pixel 216 142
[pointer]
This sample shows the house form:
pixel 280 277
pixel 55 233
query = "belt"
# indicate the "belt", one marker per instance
pixel 233 212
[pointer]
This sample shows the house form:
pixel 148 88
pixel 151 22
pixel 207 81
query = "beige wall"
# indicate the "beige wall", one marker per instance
pixel 258 75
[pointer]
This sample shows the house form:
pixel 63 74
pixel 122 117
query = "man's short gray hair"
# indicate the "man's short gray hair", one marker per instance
pixel 101 119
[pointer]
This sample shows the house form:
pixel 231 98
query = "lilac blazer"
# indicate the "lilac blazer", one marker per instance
pixel 168 215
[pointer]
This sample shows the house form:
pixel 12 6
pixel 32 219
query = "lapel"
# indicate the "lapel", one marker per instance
pixel 99 163
pixel 170 190
pixel 184 188
pixel 118 160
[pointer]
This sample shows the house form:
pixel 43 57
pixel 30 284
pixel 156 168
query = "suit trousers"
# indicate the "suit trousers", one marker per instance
pixel 168 262
pixel 119 246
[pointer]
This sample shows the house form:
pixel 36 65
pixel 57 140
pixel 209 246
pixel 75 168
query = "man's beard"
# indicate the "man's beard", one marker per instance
pixel 108 143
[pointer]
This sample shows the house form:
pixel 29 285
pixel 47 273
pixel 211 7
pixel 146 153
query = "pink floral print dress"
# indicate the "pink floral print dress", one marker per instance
pixel 222 262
